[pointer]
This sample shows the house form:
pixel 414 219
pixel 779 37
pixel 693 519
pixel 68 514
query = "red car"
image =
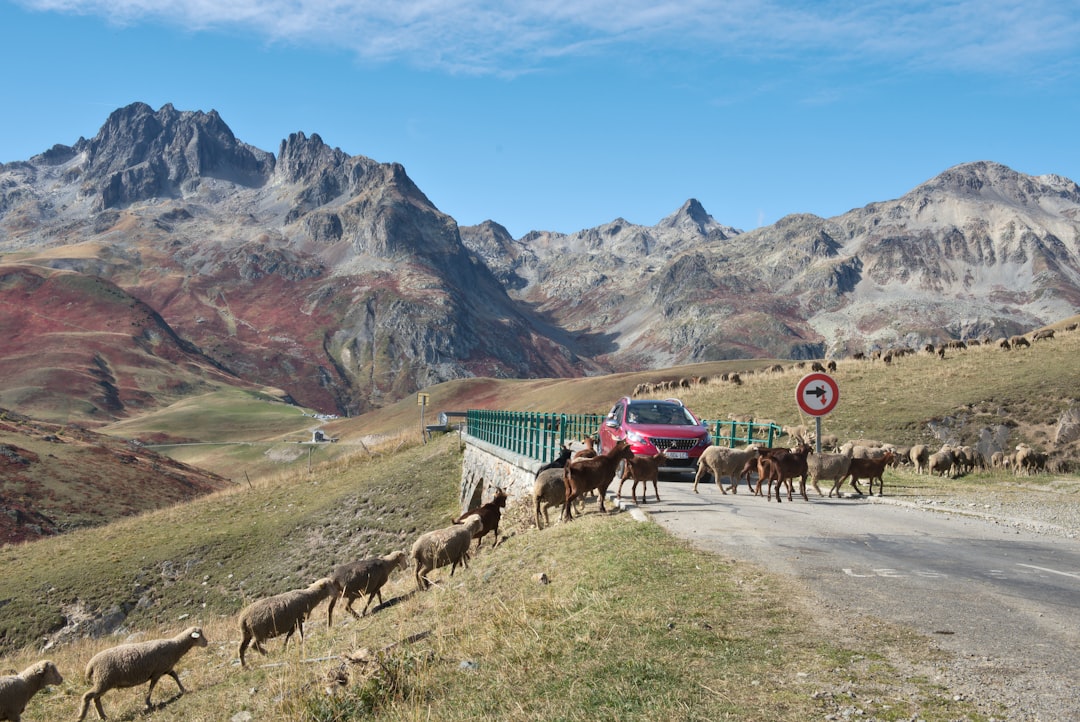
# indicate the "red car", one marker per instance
pixel 652 426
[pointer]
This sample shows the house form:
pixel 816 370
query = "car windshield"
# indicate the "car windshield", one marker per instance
pixel 659 413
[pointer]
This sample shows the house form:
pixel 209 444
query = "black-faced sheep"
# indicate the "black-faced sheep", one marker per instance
pixel 489 513
pixel 441 547
pixel 129 665
pixel 366 576
pixel 16 690
pixel 721 461
pixel 281 614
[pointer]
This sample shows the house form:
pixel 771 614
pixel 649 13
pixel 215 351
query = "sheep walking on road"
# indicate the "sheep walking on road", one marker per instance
pixel 17 689
pixel 281 614
pixel 129 665
pixel 366 576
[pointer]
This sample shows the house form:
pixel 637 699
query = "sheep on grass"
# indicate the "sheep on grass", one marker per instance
pixel 129 665
pixel 17 689
pixel 366 576
pixel 281 614
pixel 549 490
pixel 444 546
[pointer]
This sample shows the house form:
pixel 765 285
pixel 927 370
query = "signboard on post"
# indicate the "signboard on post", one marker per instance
pixel 817 394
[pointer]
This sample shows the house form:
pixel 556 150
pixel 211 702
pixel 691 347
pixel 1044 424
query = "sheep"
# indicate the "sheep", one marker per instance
pixel 548 491
pixel 832 467
pixel 920 457
pixel 941 461
pixel 16 690
pixel 129 665
pixel 366 576
pixel 1044 334
pixel 1018 341
pixel 720 461
pixel 643 468
pixel 281 614
pixel 440 547
pixel 489 514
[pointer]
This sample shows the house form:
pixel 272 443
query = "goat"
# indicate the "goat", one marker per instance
pixel 643 468
pixel 597 473
pixel 558 462
pixel 869 469
pixel 489 514
pixel 789 463
pixel 588 452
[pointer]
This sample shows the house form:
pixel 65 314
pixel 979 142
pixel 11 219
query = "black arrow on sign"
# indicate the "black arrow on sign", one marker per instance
pixel 818 391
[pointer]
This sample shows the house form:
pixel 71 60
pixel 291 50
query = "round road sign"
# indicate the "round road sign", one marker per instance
pixel 817 394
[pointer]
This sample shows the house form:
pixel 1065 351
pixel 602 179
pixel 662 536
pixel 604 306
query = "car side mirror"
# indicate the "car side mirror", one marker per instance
pixel 611 423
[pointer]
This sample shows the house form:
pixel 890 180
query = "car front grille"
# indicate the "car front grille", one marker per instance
pixel 674 444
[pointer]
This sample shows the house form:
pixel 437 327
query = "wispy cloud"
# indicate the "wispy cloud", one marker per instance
pixel 511 36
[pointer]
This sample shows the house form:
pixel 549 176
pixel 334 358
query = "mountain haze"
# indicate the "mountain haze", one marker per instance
pixel 333 278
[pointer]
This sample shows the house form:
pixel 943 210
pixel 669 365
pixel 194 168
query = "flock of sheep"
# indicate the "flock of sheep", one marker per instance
pixel 134 664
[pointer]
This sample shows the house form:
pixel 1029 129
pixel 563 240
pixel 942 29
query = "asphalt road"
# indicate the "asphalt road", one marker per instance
pixel 986 590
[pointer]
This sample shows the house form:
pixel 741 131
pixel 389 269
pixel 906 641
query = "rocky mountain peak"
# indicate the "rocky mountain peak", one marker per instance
pixel 693 218
pixel 140 154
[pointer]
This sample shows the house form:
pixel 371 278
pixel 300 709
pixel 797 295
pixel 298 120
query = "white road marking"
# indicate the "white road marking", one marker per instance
pixel 1051 571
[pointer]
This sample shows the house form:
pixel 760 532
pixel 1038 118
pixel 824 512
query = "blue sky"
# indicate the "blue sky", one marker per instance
pixel 566 114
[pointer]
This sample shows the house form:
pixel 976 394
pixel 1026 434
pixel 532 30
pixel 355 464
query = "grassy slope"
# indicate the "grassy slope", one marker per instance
pixel 633 625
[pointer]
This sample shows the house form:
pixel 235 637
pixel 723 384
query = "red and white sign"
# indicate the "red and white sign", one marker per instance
pixel 817 394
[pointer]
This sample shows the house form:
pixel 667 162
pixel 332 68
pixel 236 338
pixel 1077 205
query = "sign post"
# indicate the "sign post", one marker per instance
pixel 817 394
pixel 421 401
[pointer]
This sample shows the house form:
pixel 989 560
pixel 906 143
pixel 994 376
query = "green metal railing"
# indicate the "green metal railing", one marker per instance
pixel 743 432
pixel 540 435
pixel 536 435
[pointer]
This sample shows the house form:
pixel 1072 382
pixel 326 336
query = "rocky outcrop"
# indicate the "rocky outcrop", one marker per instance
pixel 141 154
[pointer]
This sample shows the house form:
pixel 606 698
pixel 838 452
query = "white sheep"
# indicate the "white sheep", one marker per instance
pixel 16 690
pixel 831 467
pixel 129 665
pixel 444 546
pixel 920 457
pixel 721 461
pixel 281 614
pixel 366 576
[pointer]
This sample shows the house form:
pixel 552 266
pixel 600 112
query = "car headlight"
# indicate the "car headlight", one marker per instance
pixel 635 438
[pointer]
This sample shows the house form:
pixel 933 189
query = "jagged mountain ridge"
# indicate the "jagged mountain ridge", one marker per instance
pixel 334 278
pixel 978 250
